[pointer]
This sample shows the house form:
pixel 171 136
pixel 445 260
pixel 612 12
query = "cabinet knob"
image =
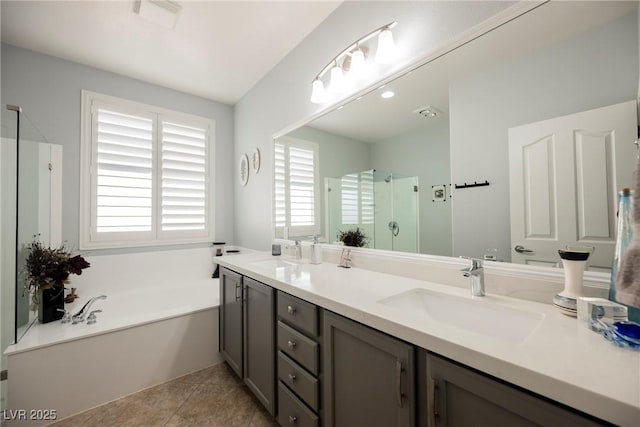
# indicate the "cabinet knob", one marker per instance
pixel 292 377
pixel 293 419
pixel 291 344
pixel 291 310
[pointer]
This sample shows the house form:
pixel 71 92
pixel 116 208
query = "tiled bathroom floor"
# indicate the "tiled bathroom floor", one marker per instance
pixel 210 397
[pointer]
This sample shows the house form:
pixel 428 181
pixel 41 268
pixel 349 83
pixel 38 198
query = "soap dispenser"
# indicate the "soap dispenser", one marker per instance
pixel 315 254
pixel 574 260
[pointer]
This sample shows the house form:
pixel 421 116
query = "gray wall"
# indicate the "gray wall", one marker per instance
pixel 425 154
pixel 281 98
pixel 593 70
pixel 48 89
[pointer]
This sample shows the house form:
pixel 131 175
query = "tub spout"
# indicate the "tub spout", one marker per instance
pixel 80 316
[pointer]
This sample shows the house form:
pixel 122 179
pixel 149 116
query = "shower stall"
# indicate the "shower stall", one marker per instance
pixel 383 205
pixel 30 207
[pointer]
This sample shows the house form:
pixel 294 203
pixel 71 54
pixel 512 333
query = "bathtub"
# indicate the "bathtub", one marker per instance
pixel 158 322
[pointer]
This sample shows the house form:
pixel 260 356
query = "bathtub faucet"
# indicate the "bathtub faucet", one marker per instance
pixel 80 316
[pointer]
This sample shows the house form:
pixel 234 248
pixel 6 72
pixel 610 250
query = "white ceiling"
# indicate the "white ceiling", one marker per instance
pixel 217 49
pixel 372 119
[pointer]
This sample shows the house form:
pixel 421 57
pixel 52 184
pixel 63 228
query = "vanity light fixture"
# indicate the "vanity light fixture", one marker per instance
pixel 351 63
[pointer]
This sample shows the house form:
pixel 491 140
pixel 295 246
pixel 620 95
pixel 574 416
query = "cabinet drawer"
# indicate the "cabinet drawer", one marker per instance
pixel 292 412
pixel 300 348
pixel 298 313
pixel 306 386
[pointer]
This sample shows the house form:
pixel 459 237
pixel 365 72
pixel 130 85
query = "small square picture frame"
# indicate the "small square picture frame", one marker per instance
pixel 438 193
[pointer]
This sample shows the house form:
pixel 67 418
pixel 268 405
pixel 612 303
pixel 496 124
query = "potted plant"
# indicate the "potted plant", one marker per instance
pixel 47 271
pixel 355 238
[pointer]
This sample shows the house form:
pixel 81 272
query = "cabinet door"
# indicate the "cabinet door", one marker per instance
pixel 259 341
pixel 231 319
pixel 459 396
pixel 369 376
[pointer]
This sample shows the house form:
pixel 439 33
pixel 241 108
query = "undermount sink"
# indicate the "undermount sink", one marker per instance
pixel 274 263
pixel 476 315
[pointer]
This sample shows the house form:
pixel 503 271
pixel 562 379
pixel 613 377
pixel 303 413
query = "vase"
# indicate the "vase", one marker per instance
pixel 51 304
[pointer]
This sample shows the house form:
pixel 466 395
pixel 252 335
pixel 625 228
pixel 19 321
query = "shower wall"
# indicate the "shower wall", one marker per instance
pixel 383 205
pixel 396 214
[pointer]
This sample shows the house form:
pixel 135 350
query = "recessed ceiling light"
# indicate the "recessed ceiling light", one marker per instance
pixel 387 94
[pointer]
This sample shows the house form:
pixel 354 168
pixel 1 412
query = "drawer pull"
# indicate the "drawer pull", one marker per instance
pixel 291 344
pixel 292 377
pixel 291 310
pixel 293 419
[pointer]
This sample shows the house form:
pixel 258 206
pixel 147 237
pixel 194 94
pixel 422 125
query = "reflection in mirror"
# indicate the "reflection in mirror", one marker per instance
pixel 486 112
pixel 32 167
pixel 382 205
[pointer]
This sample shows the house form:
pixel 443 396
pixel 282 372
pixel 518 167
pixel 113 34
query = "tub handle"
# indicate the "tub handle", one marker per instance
pixel 92 317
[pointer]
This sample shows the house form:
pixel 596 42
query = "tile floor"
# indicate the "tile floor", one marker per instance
pixel 211 397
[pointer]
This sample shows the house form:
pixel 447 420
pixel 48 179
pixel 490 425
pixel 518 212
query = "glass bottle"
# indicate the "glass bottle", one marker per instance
pixel 624 233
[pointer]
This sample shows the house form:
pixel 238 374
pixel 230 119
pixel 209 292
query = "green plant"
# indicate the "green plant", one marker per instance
pixel 355 238
pixel 48 267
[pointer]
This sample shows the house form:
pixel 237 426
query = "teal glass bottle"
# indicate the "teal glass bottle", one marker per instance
pixel 624 233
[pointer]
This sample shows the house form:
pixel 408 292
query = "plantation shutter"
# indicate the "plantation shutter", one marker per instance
pixel 349 197
pixel 366 197
pixel 295 188
pixel 183 177
pixel 123 172
pixel 301 187
pixel 279 192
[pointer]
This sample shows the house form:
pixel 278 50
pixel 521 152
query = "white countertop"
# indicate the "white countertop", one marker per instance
pixel 561 359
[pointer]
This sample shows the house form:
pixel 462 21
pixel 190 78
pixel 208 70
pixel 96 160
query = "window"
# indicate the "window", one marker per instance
pixel 357 198
pixel 146 175
pixel 295 188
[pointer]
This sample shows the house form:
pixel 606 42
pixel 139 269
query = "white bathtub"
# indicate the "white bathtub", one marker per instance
pixel 159 321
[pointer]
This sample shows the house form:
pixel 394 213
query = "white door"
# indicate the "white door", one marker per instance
pixel 565 173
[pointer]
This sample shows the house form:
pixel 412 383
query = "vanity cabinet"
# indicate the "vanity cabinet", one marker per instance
pixel 231 319
pixel 299 368
pixel 247 333
pixel 368 376
pixel 460 396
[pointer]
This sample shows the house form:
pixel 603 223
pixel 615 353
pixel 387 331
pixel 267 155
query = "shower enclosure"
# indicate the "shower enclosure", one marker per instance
pixel 30 205
pixel 383 205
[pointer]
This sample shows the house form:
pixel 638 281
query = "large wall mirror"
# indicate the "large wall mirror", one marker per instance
pixel 542 109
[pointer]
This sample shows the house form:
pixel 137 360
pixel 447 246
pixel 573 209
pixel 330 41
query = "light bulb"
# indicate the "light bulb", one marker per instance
pixel 386 51
pixel 337 80
pixel 318 94
pixel 357 63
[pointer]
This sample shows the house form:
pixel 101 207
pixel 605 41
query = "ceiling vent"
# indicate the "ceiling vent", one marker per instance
pixel 162 12
pixel 429 112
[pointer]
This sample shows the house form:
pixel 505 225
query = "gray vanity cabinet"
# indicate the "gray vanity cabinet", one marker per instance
pixel 259 341
pixel 231 319
pixel 299 369
pixel 247 333
pixel 460 396
pixel 368 376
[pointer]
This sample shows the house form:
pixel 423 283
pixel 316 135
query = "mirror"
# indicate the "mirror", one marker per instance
pixel 458 121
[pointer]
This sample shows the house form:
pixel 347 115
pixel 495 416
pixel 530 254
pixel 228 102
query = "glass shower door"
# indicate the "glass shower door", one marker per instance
pixel 8 204
pixel 30 207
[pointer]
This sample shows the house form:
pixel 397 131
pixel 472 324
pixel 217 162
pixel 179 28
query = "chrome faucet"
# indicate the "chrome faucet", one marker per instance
pixel 345 258
pixel 476 272
pixel 80 316
pixel 297 250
